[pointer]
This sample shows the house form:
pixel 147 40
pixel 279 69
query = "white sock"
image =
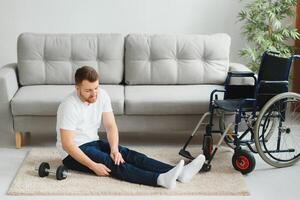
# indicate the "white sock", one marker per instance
pixel 168 179
pixel 191 169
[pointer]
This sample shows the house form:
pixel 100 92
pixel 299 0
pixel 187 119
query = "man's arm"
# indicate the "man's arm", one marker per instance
pixel 112 136
pixel 75 152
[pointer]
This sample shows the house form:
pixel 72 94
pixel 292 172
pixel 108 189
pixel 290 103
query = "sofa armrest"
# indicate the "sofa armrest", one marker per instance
pixel 8 82
pixel 237 67
pixel 8 87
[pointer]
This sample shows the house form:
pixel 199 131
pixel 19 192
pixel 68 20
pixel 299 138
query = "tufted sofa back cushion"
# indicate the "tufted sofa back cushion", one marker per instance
pixel 54 58
pixel 176 59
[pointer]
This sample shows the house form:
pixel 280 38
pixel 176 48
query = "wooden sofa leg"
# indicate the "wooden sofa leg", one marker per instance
pixel 18 139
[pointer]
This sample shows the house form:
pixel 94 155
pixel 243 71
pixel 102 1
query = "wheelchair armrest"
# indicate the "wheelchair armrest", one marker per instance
pixel 269 84
pixel 241 74
pixel 213 92
pixel 212 97
pixel 263 82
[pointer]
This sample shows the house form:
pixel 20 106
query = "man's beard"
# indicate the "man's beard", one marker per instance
pixel 90 99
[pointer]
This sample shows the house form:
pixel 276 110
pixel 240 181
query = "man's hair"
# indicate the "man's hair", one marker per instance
pixel 85 73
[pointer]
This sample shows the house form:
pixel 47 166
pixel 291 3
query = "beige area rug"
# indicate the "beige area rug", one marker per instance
pixel 221 180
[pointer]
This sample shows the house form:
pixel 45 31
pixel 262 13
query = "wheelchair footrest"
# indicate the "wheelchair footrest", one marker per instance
pixel 186 154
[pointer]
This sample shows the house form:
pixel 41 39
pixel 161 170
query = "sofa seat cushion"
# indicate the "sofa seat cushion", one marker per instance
pixel 44 99
pixel 168 100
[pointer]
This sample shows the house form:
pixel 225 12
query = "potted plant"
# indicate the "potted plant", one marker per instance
pixel 268 25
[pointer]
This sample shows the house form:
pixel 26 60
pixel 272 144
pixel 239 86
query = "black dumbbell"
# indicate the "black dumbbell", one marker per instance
pixel 44 170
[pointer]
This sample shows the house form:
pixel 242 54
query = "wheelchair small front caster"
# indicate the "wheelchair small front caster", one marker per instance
pixel 206 167
pixel 243 161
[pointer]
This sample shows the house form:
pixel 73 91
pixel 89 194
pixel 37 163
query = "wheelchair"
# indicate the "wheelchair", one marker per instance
pixel 266 118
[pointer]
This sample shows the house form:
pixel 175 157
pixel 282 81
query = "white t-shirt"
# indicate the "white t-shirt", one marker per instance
pixel 83 119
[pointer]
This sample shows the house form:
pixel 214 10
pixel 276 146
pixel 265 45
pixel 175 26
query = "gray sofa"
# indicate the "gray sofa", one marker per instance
pixel 157 83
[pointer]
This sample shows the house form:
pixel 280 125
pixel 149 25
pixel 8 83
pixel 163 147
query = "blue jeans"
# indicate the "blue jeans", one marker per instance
pixel 138 168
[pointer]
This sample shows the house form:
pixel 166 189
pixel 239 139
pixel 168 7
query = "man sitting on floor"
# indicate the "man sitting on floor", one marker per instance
pixel 78 120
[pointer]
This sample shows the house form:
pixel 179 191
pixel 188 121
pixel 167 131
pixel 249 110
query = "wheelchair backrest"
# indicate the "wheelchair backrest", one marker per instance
pixel 272 80
pixel 273 68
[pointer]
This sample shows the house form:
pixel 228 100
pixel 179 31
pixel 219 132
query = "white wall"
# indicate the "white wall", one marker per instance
pixel 120 16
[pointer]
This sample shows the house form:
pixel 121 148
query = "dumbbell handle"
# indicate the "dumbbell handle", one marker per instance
pixel 46 170
pixel 65 174
pixel 50 171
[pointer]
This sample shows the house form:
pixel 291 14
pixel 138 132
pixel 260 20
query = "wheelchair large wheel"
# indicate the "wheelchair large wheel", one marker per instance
pixel 280 146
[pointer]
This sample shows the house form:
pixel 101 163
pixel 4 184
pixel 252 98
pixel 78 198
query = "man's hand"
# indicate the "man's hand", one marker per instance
pixel 116 157
pixel 100 169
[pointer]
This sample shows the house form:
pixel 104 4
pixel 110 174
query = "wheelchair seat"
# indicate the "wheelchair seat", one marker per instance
pixel 231 105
